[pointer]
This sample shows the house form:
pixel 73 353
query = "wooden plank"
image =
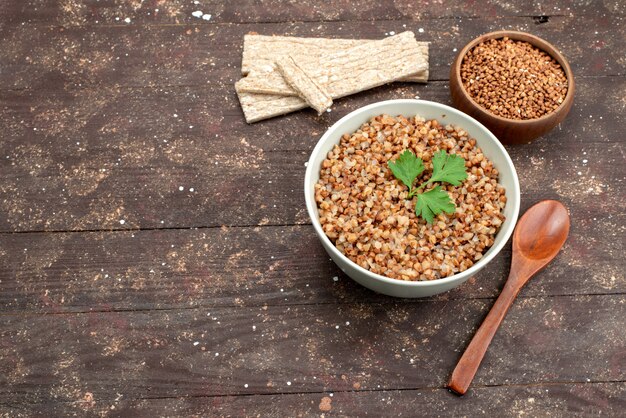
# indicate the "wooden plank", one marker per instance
pixel 161 269
pixel 294 349
pixel 87 159
pixel 85 105
pixel 56 58
pixel 586 399
pixel 115 12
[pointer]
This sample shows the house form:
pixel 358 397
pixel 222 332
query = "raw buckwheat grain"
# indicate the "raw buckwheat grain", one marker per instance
pixel 513 79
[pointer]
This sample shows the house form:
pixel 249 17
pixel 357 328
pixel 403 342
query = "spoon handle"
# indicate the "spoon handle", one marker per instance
pixel 468 364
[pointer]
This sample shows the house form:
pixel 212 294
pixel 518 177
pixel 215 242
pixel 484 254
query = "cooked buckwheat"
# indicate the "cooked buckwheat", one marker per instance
pixel 363 208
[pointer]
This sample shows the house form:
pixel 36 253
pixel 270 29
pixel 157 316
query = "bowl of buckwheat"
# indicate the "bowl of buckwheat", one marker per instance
pixel 411 198
pixel 516 84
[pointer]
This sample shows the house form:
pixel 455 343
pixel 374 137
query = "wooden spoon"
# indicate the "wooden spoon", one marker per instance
pixel 538 237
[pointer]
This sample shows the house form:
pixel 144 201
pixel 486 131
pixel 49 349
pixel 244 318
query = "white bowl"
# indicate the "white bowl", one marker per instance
pixel 492 149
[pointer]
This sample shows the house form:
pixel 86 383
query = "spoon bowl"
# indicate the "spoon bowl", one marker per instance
pixel 542 231
pixel 539 235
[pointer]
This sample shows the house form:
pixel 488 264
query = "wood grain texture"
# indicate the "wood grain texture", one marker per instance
pixel 109 107
pixel 558 400
pixel 58 58
pixel 87 159
pixel 114 12
pixel 182 268
pixel 294 349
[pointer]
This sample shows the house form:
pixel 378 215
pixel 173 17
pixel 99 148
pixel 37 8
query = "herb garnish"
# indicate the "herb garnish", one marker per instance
pixel 447 168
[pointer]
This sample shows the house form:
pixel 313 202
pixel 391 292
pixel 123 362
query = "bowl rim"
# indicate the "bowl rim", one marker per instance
pixel 537 42
pixel 311 204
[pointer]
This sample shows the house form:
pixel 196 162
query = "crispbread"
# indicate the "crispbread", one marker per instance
pixel 348 71
pixel 261 51
pixel 257 107
pixel 266 82
pixel 316 96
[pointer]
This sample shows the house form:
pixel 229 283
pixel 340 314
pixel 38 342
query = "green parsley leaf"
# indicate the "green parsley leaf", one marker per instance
pixel 432 203
pixel 449 168
pixel 406 168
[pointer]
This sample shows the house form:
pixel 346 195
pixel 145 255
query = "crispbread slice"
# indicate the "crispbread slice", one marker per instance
pixel 257 107
pixel 316 96
pixel 261 51
pixel 266 82
pixel 349 71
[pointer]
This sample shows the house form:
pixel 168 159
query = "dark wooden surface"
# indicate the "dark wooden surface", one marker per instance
pixel 219 300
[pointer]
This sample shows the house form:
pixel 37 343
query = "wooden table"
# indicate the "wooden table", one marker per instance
pixel 156 257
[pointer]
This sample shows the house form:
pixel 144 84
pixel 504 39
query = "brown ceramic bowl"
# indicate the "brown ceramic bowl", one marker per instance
pixel 511 131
